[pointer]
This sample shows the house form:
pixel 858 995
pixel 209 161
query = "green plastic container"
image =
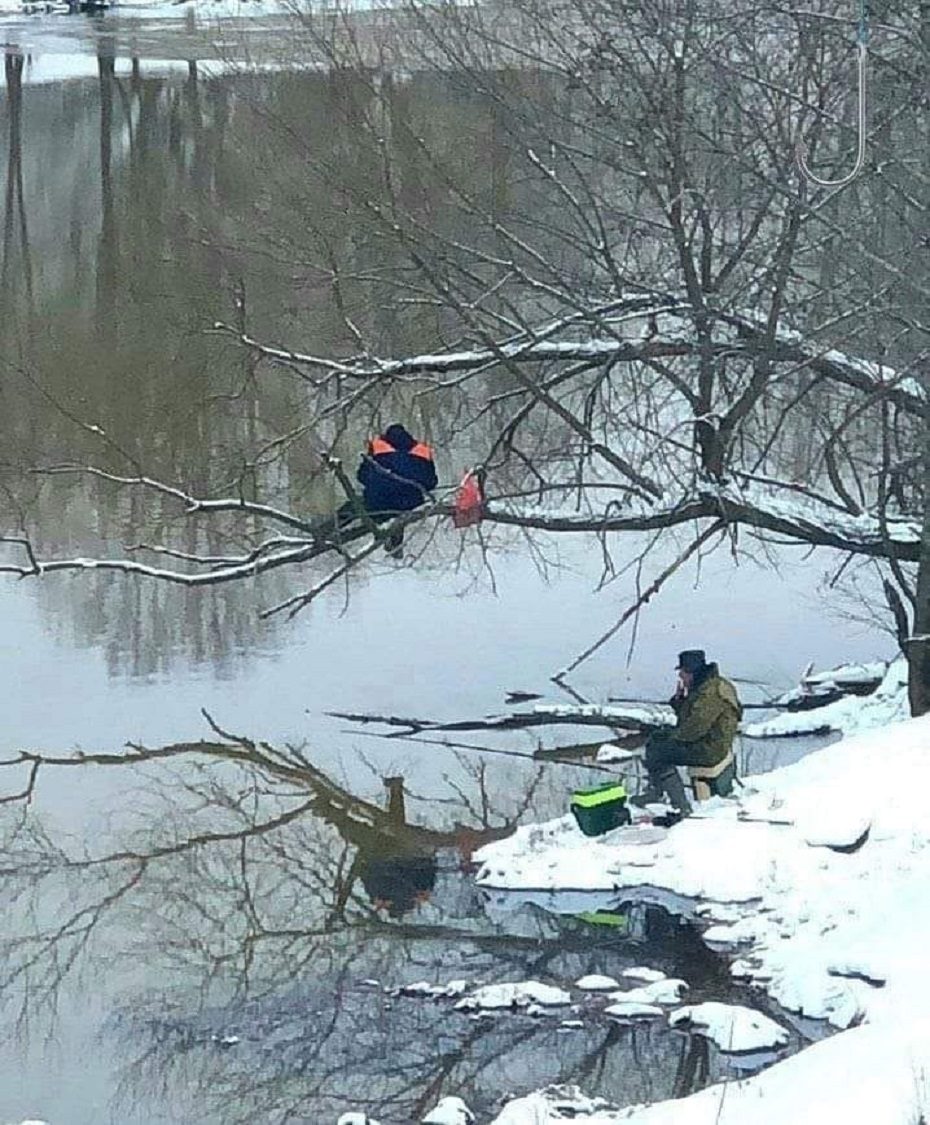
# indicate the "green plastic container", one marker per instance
pixel 600 809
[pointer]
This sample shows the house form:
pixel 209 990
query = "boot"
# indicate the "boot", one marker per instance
pixel 653 794
pixel 666 783
pixel 394 543
pixel 672 784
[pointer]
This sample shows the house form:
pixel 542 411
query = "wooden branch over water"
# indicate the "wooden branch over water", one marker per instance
pixel 589 716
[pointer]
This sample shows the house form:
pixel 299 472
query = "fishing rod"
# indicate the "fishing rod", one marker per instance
pixel 474 748
pixel 665 703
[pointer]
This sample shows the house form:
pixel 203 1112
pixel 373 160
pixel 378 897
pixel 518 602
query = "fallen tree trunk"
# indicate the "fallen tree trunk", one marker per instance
pixel 590 716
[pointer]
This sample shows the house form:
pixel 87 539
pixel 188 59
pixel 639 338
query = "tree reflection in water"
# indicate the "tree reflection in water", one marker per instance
pixel 280 915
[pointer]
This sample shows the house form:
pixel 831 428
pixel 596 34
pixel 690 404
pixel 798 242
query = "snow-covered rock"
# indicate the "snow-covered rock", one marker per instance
pixel 642 973
pixel 596 983
pixel 731 1026
pixel 449 1111
pixel 667 991
pixel 514 995
pixel 633 1010
pixel 556 1103
pixel 424 988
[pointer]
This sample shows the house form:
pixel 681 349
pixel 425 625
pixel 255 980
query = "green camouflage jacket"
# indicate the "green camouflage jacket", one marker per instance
pixel 709 717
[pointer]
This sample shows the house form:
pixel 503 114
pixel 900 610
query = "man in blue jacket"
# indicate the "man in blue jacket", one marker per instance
pixel 397 474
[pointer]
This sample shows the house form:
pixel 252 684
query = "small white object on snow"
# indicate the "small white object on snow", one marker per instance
pixel 449 1111
pixel 633 1010
pixel 594 982
pixel 514 995
pixel 668 991
pixel 356 1119
pixel 732 1027
pixel 642 973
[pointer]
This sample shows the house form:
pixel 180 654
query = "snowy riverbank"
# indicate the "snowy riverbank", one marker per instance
pixel 817 876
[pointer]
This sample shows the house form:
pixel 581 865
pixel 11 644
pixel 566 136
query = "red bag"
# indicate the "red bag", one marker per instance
pixel 469 502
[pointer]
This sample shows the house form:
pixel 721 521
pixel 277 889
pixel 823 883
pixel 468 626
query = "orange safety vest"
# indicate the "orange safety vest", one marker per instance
pixel 379 445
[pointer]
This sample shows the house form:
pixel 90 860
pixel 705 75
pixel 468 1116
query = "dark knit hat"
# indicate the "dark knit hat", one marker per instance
pixel 691 660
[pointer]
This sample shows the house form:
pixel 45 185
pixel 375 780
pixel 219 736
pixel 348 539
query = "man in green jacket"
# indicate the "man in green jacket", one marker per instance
pixel 708 712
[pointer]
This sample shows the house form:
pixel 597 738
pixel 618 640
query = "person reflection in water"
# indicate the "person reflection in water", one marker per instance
pixel 397 883
pixel 397 475
pixel 397 876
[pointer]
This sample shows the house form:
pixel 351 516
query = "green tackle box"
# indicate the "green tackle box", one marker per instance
pixel 599 809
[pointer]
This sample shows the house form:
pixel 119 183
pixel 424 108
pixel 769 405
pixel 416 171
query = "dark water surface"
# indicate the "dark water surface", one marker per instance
pixel 139 206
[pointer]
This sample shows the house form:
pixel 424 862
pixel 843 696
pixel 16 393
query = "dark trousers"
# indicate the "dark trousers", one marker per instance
pixel 662 751
pixel 663 755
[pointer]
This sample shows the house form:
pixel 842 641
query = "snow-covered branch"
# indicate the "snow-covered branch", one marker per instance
pixel 796 517
pixel 191 503
pixel 662 329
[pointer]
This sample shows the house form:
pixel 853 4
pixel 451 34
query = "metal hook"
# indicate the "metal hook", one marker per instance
pixel 860 151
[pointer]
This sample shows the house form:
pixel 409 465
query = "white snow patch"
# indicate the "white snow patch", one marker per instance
pixel 731 1026
pixel 449 1111
pixel 594 982
pixel 642 973
pixel 514 995
pixel 647 714
pixel 356 1119
pixel 668 991
pixel 556 1103
pixel 632 1010
pixel 424 988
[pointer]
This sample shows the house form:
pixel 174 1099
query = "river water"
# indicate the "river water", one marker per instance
pixel 138 202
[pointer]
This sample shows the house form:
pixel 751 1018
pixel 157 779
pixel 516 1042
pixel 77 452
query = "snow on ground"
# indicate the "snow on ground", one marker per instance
pixel 830 927
pixel 850 715
pixel 730 1026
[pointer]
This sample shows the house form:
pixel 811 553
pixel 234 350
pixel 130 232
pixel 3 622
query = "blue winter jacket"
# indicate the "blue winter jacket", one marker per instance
pixel 397 473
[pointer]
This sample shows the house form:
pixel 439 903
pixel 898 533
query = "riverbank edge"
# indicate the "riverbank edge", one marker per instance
pixel 828 929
